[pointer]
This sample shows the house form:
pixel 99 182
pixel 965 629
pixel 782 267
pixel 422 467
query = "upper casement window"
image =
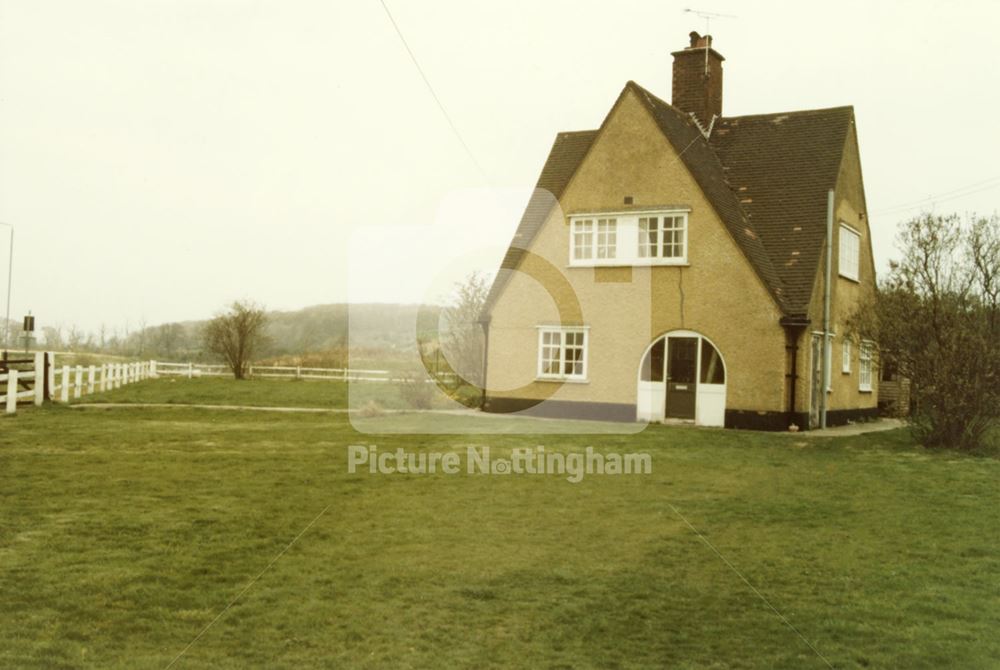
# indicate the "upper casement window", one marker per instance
pixel 594 239
pixel 663 237
pixel 850 249
pixel 629 238
pixel 562 353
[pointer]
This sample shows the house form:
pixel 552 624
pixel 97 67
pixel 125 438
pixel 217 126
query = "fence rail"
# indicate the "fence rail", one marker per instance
pixel 191 370
pixel 274 371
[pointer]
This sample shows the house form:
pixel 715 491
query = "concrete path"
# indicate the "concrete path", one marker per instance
pixel 177 405
pixel 853 429
pixel 836 431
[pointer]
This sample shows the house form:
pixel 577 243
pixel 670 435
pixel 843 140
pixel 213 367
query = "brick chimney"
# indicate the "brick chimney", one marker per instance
pixel 697 85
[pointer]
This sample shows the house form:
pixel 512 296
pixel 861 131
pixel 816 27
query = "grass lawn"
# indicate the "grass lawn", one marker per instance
pixel 125 532
pixel 254 393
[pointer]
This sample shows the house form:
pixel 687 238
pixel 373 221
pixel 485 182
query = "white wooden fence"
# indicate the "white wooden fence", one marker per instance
pixel 68 382
pixel 190 370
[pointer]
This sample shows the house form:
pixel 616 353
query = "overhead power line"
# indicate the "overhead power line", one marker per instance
pixel 954 194
pixel 430 88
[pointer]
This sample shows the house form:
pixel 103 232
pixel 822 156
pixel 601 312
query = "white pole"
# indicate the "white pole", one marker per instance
pixel 190 370
pixel 52 373
pixel 64 390
pixel 104 375
pixel 91 374
pixel 39 377
pixel 11 391
pixel 152 369
pixel 10 274
pixel 78 382
pixel 826 310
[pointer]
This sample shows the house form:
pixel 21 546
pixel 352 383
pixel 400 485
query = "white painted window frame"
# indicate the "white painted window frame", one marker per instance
pixel 627 238
pixel 852 272
pixel 563 330
pixel 866 355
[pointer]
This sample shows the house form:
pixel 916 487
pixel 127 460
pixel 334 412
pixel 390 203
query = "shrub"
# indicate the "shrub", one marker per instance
pixel 416 391
pixel 936 318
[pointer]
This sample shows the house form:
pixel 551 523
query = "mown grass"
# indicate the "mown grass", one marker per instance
pixel 125 532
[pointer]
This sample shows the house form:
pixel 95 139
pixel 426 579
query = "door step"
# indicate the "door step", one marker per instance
pixel 678 422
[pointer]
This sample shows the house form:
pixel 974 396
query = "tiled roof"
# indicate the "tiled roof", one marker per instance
pixel 766 176
pixel 781 166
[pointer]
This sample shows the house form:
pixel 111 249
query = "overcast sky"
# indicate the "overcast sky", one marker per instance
pixel 159 159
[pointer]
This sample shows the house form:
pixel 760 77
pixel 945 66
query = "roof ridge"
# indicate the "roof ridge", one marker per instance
pixel 790 112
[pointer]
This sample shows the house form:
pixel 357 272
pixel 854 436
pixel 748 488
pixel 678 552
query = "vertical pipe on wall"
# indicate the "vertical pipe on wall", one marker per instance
pixel 826 310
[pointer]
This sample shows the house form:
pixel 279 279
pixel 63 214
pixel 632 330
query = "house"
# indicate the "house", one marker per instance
pixel 671 265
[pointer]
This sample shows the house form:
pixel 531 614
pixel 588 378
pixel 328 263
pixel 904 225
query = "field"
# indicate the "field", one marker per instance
pixel 141 537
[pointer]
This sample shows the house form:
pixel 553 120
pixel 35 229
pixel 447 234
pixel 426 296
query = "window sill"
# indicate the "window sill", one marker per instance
pixel 631 264
pixel 868 390
pixel 853 280
pixel 562 380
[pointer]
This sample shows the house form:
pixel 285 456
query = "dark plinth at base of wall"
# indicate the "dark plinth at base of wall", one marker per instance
pixel 748 419
pixel 743 419
pixel 562 409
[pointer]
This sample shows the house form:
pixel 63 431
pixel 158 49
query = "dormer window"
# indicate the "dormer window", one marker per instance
pixel 629 238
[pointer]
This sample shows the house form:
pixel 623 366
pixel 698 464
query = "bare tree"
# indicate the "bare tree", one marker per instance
pixel 935 318
pixel 462 339
pixel 236 334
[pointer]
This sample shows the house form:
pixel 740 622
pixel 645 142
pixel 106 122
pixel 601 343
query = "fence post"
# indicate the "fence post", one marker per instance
pixel 78 382
pixel 116 379
pixel 50 374
pixel 101 384
pixel 152 369
pixel 298 372
pixel 64 391
pixel 39 377
pixel 190 370
pixel 91 374
pixel 11 391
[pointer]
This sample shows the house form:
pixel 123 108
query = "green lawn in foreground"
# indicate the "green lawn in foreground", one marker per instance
pixel 124 532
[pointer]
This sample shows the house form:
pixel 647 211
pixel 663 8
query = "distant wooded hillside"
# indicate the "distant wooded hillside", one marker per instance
pixel 316 329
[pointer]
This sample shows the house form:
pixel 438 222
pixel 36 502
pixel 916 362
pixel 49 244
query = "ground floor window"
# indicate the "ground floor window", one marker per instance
pixel 865 366
pixel 562 353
